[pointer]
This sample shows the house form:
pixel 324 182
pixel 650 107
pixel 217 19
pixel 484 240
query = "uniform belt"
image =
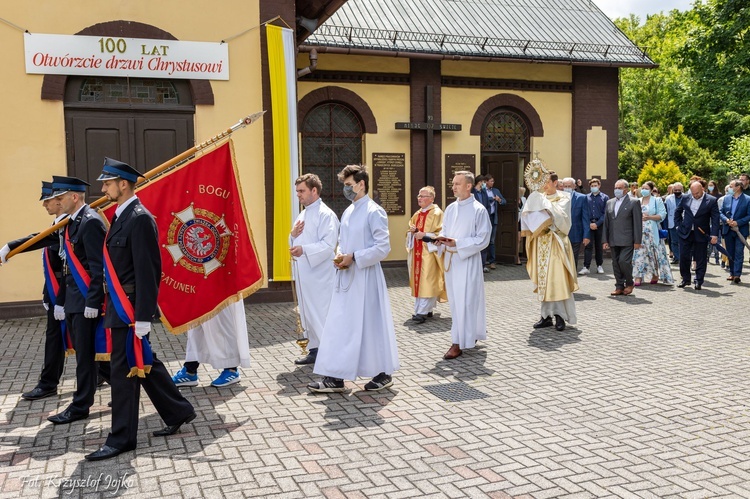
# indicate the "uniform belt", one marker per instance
pixel 128 288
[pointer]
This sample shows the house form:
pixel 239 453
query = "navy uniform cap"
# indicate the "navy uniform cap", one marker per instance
pixel 46 191
pixel 113 169
pixel 61 185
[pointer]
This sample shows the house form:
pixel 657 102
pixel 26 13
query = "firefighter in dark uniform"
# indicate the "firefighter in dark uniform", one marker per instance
pixel 133 248
pixel 54 287
pixel 84 292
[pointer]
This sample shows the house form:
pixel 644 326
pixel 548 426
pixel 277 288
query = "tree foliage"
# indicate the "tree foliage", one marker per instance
pixel 662 174
pixel 694 109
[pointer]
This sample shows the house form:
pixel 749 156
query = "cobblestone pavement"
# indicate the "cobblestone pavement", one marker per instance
pixel 646 397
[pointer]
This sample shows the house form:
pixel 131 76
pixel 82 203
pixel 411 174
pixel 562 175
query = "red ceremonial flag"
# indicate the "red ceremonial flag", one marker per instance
pixel 208 254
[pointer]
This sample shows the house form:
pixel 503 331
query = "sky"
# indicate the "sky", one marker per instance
pixel 641 8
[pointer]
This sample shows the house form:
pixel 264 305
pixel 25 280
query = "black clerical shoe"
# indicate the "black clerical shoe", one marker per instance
pixel 543 322
pixel 683 284
pixel 38 393
pixel 698 285
pixel 419 318
pixel 171 430
pixel 67 416
pixel 105 452
pixel 737 280
pixel 309 358
pixel 559 323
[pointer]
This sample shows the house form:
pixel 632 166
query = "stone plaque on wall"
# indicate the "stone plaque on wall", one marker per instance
pixel 456 163
pixel 388 181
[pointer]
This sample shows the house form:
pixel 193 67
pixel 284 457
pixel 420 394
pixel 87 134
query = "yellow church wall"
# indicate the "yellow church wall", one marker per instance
pixel 509 70
pixel 33 129
pixel 555 111
pixel 389 104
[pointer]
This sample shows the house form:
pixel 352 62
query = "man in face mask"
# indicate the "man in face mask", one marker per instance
pixel 597 204
pixel 580 218
pixel 671 204
pixel 623 233
pixel 358 336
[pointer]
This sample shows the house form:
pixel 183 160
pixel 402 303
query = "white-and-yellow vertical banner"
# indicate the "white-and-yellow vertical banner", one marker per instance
pixel 283 76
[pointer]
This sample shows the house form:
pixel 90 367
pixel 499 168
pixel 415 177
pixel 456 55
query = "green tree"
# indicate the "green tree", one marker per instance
pixel 662 174
pixel 738 159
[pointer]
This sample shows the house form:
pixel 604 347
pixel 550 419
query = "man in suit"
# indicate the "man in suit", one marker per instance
pixel 735 213
pixel 670 204
pixel 54 283
pixel 81 304
pixel 134 260
pixel 580 218
pixel 496 201
pixel 622 232
pixel 481 195
pixel 696 219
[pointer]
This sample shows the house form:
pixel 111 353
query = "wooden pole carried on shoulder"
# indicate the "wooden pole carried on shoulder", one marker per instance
pixel 154 172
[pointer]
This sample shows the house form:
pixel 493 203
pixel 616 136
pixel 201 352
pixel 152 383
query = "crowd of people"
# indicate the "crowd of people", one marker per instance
pixel 343 301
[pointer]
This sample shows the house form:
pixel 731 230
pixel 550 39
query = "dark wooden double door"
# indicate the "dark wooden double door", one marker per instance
pixel 141 139
pixel 506 170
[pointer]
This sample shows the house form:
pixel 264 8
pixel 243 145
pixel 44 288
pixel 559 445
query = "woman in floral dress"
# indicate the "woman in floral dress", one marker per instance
pixel 651 260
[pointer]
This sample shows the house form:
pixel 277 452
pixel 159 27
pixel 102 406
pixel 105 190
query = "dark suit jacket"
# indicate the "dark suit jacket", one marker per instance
pixel 580 218
pixel 86 235
pixel 626 228
pixel 702 225
pixel 52 243
pixel 133 245
pixel 484 198
pixel 741 214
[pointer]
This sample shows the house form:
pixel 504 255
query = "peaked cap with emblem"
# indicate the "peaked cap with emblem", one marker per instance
pixel 47 192
pixel 113 169
pixel 61 185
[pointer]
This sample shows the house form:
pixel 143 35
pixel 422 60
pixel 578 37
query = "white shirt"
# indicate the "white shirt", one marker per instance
pixel 121 207
pixel 618 203
pixel 695 204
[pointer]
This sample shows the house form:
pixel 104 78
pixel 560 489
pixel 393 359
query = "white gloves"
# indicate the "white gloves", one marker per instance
pixel 90 313
pixel 142 328
pixel 3 253
pixel 45 305
pixel 59 313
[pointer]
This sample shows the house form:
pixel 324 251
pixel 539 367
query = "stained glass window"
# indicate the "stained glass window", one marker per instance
pixel 505 131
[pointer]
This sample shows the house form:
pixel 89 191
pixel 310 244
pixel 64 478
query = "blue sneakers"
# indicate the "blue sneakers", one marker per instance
pixel 182 378
pixel 226 378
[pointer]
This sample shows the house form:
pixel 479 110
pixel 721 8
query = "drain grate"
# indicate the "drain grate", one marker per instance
pixel 455 392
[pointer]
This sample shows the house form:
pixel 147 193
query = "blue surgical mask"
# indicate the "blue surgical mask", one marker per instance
pixel 645 192
pixel 730 191
pixel 619 193
pixel 594 190
pixel 349 192
pixel 710 188
pixel 568 189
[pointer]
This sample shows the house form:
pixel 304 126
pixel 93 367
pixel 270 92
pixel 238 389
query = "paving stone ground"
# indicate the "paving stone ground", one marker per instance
pixel 646 397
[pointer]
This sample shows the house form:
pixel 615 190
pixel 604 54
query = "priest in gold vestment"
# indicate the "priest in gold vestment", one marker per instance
pixel 425 273
pixel 545 222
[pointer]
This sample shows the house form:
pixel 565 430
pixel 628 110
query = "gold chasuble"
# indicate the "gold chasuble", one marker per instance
pixel 425 273
pixel 546 223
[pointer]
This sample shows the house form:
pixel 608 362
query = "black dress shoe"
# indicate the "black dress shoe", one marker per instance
pixel 66 417
pixel 559 323
pixel 419 318
pixel 543 322
pixel 307 359
pixel 737 280
pixel 698 285
pixel 171 430
pixel 105 452
pixel 109 404
pixel 683 284
pixel 39 393
pixel 429 314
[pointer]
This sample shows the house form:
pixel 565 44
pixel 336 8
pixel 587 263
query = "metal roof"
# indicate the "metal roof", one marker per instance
pixel 574 31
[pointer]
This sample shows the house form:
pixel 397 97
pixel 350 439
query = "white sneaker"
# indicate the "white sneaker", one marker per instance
pixel 599 270
pixel 584 271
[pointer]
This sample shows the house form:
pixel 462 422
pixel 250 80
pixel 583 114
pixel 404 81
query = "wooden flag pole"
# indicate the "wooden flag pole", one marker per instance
pixel 148 175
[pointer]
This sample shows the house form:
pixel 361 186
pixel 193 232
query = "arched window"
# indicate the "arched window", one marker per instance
pixel 505 131
pixel 128 90
pixel 331 139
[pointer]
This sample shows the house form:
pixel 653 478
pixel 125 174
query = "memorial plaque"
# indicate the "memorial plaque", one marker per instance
pixel 388 181
pixel 456 163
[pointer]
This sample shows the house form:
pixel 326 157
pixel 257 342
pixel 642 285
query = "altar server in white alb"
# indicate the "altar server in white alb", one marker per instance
pixel 466 232
pixel 313 247
pixel 221 341
pixel 358 337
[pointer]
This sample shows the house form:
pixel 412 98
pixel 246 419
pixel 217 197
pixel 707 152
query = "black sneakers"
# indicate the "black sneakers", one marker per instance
pixel 379 382
pixel 327 385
